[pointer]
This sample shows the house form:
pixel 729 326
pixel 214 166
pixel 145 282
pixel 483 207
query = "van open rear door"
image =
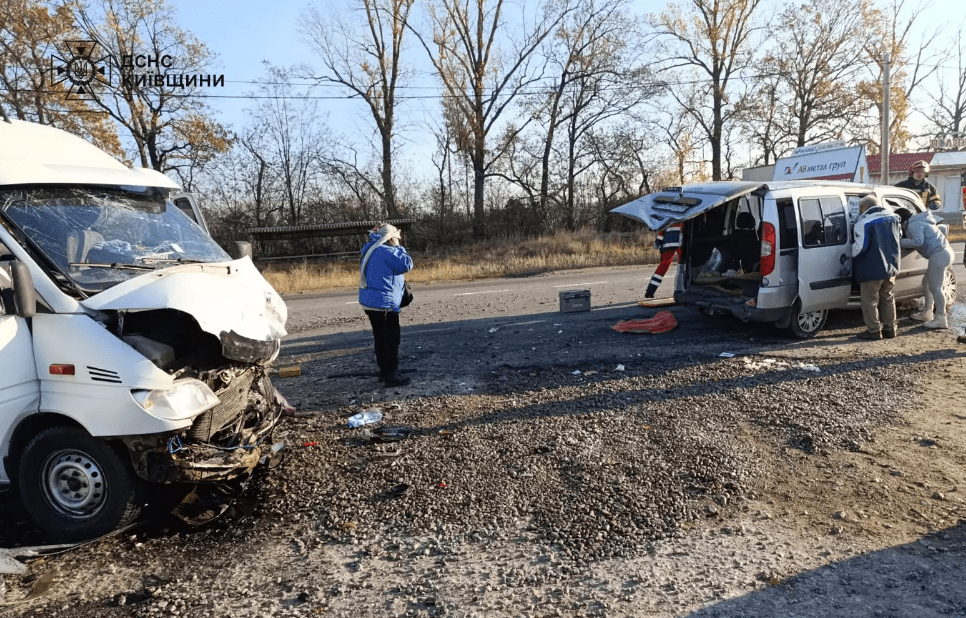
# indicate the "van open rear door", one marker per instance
pixel 677 204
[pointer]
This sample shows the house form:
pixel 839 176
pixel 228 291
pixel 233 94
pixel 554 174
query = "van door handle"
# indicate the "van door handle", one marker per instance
pixel 843 259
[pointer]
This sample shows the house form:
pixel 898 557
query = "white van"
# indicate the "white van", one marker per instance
pixel 775 252
pixel 134 350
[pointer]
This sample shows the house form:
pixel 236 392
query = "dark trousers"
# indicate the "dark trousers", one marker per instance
pixel 385 335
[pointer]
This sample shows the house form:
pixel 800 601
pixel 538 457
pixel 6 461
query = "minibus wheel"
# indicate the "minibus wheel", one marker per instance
pixel 76 486
pixel 806 325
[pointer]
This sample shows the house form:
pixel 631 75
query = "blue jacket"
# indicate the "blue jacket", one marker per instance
pixel 875 245
pixel 384 276
pixel 923 235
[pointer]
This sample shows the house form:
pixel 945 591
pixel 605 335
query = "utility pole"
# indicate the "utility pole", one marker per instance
pixel 884 158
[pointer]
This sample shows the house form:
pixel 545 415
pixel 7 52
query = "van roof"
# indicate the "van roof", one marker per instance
pixel 675 204
pixel 32 153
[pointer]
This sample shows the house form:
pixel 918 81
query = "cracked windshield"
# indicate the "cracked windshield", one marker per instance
pixel 101 238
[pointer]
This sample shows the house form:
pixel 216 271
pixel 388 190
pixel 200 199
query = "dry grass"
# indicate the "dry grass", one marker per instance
pixel 509 257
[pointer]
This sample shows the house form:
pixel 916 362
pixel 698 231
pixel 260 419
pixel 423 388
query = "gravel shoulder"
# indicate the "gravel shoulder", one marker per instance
pixel 595 475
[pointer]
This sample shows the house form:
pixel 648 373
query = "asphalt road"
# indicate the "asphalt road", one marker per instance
pixel 529 308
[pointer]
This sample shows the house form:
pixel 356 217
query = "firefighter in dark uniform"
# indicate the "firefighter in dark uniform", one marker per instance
pixel 917 182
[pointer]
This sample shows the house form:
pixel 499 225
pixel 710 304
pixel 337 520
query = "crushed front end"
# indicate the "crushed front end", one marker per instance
pixel 224 443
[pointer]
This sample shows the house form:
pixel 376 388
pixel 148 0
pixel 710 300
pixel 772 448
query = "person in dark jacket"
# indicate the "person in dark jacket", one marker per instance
pixel 917 182
pixel 668 242
pixel 381 282
pixel 875 264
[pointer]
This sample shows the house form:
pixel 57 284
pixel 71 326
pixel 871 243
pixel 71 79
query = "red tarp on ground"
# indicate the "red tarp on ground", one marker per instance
pixel 662 322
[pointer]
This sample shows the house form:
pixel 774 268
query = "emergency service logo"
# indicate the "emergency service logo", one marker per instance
pixel 83 70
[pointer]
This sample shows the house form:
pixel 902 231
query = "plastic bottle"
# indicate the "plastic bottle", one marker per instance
pixel 366 417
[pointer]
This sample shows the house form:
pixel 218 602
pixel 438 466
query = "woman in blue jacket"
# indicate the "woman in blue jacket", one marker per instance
pixel 381 283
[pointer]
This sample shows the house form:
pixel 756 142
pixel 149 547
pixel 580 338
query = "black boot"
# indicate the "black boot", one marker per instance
pixel 650 291
pixel 394 379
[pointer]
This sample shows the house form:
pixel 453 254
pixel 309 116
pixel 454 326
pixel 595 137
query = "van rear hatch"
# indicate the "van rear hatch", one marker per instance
pixel 677 204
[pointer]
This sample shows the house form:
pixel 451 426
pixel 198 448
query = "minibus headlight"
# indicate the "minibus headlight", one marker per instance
pixel 186 399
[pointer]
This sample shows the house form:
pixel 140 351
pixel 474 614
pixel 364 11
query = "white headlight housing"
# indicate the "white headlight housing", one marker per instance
pixel 186 399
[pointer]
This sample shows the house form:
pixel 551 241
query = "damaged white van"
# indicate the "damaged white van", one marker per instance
pixel 775 252
pixel 134 350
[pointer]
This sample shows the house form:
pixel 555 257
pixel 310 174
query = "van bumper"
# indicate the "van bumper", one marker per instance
pixel 737 306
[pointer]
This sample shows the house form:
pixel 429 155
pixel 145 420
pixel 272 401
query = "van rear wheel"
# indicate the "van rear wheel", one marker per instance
pixel 806 325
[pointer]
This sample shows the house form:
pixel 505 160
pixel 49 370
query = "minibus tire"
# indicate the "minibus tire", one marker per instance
pixel 75 486
pixel 806 325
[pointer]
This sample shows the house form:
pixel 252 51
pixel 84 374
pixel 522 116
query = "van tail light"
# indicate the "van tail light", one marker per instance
pixel 767 249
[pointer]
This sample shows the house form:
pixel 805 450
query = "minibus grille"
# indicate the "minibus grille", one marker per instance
pixel 233 401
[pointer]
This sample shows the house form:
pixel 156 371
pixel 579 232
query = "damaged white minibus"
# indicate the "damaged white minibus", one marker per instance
pixel 776 252
pixel 134 350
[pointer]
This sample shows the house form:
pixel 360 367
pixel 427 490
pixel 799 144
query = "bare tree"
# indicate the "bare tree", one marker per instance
pixel 481 77
pixel 763 122
pixel 949 103
pixel 818 57
pixel 913 60
pixel 367 61
pixel 714 41
pixel 291 140
pixel 681 134
pixel 168 120
pixel 597 79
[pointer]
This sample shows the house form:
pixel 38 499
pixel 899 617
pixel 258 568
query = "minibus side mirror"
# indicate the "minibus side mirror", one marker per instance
pixel 25 296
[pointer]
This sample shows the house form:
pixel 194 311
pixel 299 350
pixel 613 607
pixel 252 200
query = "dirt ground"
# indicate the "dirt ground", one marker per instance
pixel 877 531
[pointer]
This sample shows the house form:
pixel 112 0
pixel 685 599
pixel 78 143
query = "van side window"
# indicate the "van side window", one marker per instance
pixel 896 202
pixel 824 222
pixel 787 222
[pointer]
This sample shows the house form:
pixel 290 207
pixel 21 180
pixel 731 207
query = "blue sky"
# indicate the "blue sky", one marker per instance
pixel 244 33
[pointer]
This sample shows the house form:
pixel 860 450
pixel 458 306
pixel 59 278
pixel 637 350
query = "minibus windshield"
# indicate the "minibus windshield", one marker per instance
pixel 101 236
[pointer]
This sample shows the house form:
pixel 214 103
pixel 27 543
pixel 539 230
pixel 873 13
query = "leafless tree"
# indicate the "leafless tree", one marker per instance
pixel 290 142
pixel 763 124
pixel 913 59
pixel 949 101
pixel 484 65
pixel 713 42
pixel 593 62
pixel 598 79
pixel 366 58
pixel 817 56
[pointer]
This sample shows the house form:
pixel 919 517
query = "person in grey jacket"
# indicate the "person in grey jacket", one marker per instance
pixel 924 235
pixel 875 263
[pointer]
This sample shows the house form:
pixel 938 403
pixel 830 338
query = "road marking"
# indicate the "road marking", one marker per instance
pixel 570 285
pixel 471 293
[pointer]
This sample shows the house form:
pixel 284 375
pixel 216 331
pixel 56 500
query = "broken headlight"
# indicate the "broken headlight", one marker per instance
pixel 239 348
pixel 187 399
